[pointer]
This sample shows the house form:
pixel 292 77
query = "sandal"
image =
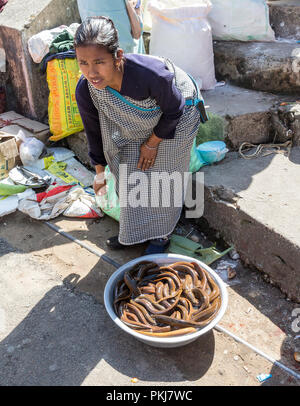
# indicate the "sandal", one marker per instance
pixel 157 246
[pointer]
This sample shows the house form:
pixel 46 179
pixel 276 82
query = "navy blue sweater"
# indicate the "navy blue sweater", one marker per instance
pixel 144 76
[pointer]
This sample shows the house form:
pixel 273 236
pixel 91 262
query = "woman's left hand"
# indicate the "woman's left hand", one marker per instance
pixel 147 157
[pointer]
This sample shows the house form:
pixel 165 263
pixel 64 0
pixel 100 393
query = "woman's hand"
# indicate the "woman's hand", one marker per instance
pixel 99 181
pixel 147 157
pixel 149 152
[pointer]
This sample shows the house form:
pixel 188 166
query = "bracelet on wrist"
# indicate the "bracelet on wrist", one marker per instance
pixel 147 146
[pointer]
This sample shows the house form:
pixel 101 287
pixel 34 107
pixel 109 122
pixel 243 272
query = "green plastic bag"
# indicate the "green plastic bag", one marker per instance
pixel 109 203
pixel 9 190
pixel 196 162
pixel 212 130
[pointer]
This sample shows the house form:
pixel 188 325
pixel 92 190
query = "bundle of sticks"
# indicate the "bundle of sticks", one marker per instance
pixel 166 300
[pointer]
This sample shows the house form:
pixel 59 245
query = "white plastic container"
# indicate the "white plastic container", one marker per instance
pixel 166 342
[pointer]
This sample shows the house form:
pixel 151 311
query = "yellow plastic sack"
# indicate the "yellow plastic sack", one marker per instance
pixel 64 117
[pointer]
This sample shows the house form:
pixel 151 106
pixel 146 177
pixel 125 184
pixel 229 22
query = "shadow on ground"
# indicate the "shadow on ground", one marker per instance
pixel 65 336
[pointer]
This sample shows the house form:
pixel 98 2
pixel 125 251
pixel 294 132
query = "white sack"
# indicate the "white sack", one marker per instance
pixel 147 21
pixel 240 20
pixel 182 33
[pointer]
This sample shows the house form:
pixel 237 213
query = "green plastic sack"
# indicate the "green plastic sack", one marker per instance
pixel 196 162
pixel 109 203
pixel 212 130
pixel 184 246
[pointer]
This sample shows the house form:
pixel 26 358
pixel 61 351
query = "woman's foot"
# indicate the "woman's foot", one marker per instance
pixel 157 246
pixel 113 243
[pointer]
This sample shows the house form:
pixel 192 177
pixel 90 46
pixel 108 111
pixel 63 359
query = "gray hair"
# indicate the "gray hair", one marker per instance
pixel 98 31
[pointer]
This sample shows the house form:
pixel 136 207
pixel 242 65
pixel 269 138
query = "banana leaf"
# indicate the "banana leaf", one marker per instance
pixel 184 242
pixel 184 246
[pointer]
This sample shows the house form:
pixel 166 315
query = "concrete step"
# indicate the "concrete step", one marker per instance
pixel 246 115
pixel 285 18
pixel 254 204
pixel 267 66
pixel 27 87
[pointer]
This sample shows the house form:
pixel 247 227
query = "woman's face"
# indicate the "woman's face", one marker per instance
pixel 98 66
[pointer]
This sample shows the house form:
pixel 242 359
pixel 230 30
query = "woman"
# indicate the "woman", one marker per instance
pixel 134 111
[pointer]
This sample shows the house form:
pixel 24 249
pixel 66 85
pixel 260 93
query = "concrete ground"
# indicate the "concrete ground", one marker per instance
pixel 54 329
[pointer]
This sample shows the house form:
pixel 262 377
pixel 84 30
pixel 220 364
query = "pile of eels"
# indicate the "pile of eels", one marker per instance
pixel 166 300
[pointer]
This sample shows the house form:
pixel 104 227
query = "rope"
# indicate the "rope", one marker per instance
pixel 246 146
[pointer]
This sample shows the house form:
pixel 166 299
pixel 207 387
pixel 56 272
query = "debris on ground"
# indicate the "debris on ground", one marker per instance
pixel 231 273
pixel 37 179
pixel 263 377
pixel 226 269
pixel 297 356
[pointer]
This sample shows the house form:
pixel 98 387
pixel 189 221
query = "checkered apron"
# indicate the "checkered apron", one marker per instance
pixel 125 124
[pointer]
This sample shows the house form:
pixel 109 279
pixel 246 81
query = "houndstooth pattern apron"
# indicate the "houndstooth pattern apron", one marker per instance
pixel 125 124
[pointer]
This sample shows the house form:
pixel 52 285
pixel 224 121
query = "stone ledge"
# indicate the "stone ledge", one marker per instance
pixel 246 113
pixel 285 19
pixel 28 86
pixel 265 66
pixel 261 216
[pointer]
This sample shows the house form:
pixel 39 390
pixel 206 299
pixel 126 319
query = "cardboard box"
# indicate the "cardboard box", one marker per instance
pixel 9 154
pixel 12 122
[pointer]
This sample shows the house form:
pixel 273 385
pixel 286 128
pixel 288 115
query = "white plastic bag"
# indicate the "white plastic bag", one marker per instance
pixel 38 44
pixel 241 20
pixel 182 33
pixel 82 205
pixel 71 201
pixel 30 149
